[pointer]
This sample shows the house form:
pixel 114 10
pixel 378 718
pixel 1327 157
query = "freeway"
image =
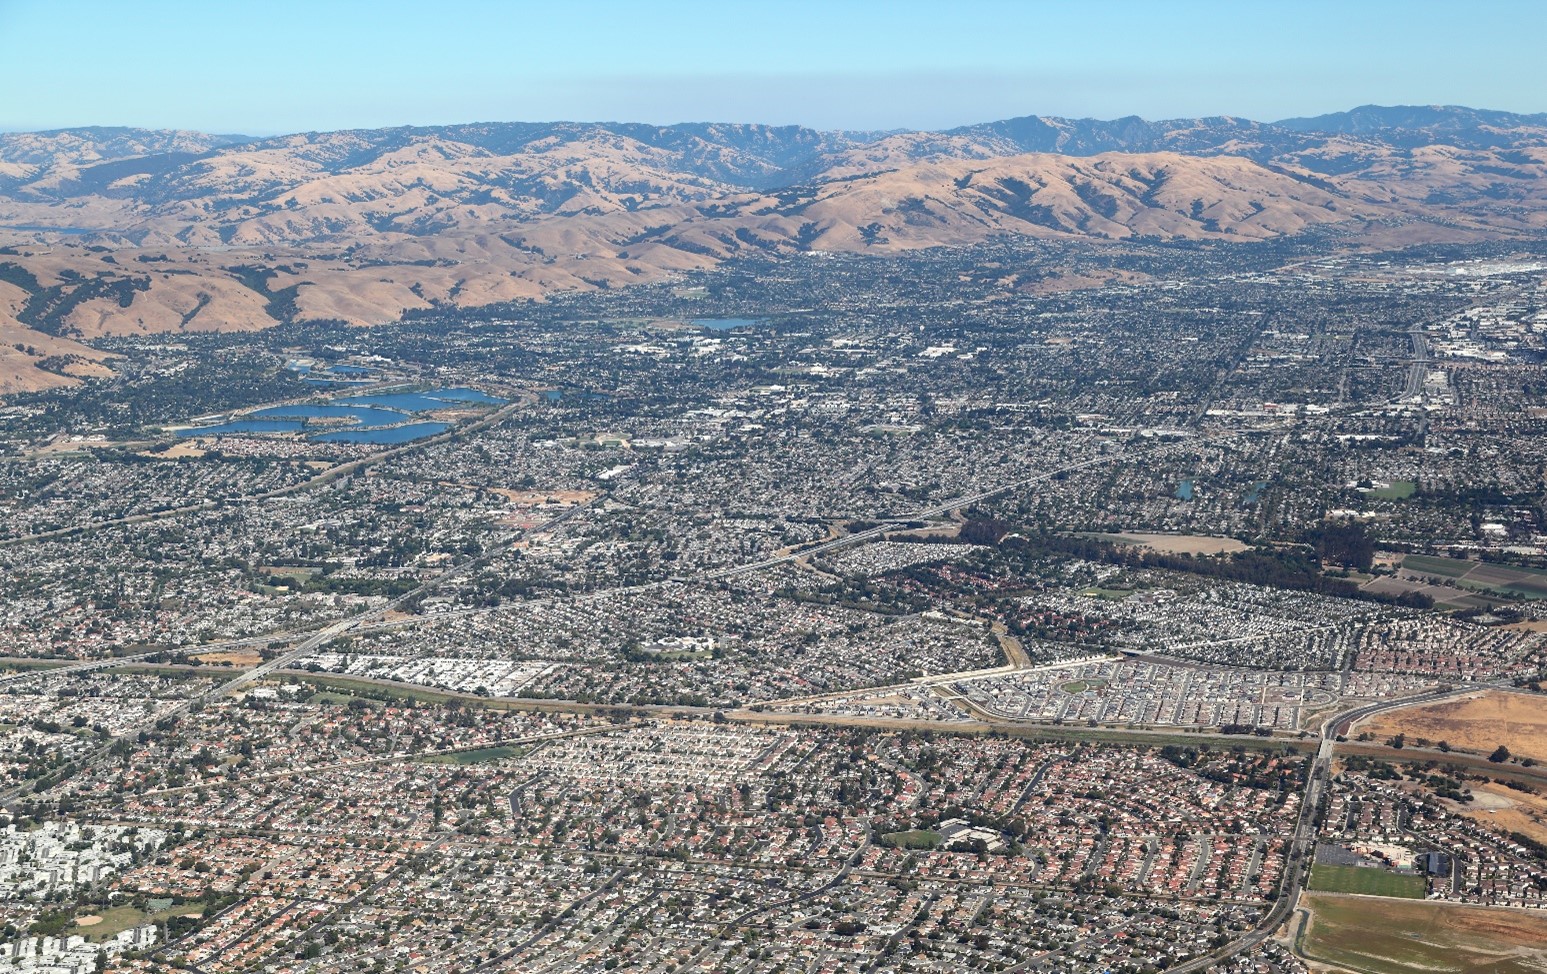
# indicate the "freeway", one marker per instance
pixel 1302 841
pixel 112 662
pixel 299 651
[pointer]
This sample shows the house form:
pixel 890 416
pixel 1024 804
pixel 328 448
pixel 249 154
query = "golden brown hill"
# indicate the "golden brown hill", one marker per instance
pixel 173 231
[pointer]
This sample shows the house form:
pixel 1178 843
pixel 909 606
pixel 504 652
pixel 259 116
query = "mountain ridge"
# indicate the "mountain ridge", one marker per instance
pixel 177 231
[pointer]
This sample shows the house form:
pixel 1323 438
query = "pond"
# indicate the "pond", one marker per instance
pixel 726 324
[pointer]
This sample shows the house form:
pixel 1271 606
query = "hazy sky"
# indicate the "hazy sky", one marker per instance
pixel 270 66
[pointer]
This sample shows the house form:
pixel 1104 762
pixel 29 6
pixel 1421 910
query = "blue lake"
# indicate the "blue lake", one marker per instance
pixel 375 416
pixel 391 435
pixel 725 324
pixel 364 415
pixel 1184 491
pixel 247 426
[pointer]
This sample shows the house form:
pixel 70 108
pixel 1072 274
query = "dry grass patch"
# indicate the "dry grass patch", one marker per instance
pixel 1389 936
pixel 180 450
pixel 1509 810
pixel 1184 544
pixel 1478 724
pixel 230 657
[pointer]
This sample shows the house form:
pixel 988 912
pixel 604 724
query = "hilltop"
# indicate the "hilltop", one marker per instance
pixel 113 230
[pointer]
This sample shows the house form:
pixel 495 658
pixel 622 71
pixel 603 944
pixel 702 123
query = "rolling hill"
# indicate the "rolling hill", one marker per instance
pixel 111 231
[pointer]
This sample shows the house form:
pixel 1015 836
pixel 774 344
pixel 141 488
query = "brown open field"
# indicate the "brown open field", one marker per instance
pixel 178 450
pixel 1182 544
pixel 1480 723
pixel 1444 597
pixel 1389 936
pixel 230 657
pixel 1509 810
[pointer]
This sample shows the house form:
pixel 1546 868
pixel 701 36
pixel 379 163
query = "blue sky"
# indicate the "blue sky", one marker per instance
pixel 271 66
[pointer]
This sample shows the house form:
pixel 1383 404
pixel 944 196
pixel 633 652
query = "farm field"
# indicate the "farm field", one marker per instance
pixel 1384 936
pixel 1478 724
pixel 1522 583
pixel 1371 882
pixel 1444 596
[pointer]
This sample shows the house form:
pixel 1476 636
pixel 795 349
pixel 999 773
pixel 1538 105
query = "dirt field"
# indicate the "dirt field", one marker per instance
pixel 1387 936
pixel 1442 595
pixel 182 448
pixel 230 657
pixel 1509 810
pixel 1478 724
pixel 534 497
pixel 1185 544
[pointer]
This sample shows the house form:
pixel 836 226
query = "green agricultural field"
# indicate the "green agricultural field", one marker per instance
pixel 1383 936
pixel 1371 882
pixel 1429 565
pixel 1505 581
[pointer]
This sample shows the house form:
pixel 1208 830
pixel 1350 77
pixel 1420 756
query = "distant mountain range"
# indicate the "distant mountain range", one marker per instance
pixel 113 230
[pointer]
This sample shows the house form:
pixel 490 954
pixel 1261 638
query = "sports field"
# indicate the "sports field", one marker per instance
pixel 1371 882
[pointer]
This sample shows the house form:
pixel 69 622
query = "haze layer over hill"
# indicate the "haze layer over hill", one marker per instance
pixel 112 231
